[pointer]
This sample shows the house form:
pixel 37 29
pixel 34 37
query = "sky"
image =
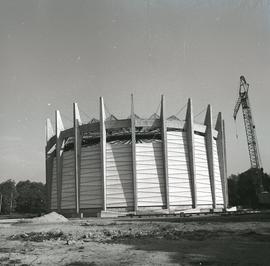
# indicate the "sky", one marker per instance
pixel 56 52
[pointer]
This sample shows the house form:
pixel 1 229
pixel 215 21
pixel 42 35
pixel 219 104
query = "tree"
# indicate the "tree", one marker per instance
pixel 31 197
pixel 8 192
pixel 232 190
pixel 243 189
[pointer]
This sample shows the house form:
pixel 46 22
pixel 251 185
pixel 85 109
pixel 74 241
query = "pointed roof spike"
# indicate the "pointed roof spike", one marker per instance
pixel 189 111
pixel 132 105
pixel 208 116
pixel 59 126
pixel 219 122
pixel 77 113
pixel 161 106
pixel 132 109
pixel 49 129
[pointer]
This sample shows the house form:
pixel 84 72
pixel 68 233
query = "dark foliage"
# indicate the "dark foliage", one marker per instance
pixel 243 188
pixel 8 192
pixel 31 197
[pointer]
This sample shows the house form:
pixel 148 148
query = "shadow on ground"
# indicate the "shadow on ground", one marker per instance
pixel 247 249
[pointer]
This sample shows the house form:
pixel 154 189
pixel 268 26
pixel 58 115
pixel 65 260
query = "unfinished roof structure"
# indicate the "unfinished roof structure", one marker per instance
pixel 135 164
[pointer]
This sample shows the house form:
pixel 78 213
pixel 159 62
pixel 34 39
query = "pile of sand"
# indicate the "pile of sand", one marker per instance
pixel 52 217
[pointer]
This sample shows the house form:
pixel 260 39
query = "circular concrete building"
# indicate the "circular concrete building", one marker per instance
pixel 136 165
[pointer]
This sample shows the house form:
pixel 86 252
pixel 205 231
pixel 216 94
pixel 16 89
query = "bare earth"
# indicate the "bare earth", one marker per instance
pixel 243 240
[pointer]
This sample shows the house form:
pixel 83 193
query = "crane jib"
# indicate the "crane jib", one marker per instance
pixel 252 142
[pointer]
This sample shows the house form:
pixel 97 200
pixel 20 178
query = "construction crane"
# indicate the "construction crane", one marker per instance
pixel 252 142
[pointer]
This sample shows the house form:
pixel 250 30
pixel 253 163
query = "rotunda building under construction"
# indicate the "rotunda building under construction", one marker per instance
pixel 136 165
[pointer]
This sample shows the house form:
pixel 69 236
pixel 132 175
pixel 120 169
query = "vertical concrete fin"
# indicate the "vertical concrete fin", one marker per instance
pixel 225 164
pixel 76 113
pixel 48 160
pixel 59 158
pixel 218 122
pixel 103 150
pixel 59 126
pixel 165 148
pixel 77 154
pixel 221 148
pixel 210 151
pixel 189 128
pixel 49 129
pixel 221 156
pixel 134 166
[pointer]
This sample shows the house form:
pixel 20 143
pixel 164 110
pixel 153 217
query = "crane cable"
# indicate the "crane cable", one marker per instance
pixel 85 114
pixel 181 109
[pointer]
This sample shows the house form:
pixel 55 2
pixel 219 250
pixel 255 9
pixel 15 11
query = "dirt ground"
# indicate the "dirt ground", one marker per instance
pixel 243 240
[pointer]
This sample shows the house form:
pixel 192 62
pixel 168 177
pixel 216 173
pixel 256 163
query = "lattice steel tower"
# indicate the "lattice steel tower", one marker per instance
pixel 243 100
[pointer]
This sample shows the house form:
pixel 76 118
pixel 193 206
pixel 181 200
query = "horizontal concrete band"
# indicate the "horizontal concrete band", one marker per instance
pixel 126 123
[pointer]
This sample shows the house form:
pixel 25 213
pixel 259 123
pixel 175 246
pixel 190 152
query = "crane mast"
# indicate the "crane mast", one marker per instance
pixel 243 101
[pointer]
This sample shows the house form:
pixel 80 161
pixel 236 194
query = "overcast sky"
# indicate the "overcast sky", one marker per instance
pixel 55 52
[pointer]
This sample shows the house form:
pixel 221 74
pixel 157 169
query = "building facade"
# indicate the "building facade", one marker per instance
pixel 136 165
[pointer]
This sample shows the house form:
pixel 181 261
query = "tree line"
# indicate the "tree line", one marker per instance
pixel 31 197
pixel 23 197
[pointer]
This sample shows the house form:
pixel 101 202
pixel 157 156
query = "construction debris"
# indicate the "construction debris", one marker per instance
pixel 40 236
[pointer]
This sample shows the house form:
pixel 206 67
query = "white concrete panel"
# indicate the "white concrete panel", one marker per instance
pixel 218 184
pixel 119 175
pixel 204 196
pixel 54 187
pixel 179 180
pixel 91 195
pixel 150 174
pixel 68 181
